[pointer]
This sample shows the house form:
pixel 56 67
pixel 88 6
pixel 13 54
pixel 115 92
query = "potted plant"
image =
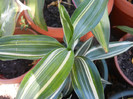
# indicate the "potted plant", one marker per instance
pixel 123 94
pixel 52 31
pixel 49 76
pixel 124 61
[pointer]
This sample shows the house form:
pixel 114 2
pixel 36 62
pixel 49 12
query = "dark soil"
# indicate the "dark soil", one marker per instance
pixel 125 62
pixel 51 13
pixel 130 1
pixel 14 68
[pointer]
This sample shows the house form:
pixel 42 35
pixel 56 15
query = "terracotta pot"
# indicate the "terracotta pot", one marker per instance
pixel 19 19
pixel 17 79
pixel 58 32
pixel 28 31
pixel 117 65
pixel 110 6
pixel 122 14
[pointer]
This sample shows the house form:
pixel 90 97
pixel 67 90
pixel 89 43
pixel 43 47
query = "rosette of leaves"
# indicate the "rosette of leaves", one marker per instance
pixel 60 65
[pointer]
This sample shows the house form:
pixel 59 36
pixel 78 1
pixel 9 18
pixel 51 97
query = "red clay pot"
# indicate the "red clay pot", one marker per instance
pixel 117 65
pixel 122 13
pixel 18 31
pixel 17 79
pixel 58 32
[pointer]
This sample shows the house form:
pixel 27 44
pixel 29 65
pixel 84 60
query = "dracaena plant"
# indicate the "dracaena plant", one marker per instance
pixel 59 64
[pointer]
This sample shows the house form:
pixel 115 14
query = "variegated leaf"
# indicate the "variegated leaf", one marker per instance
pixel 115 48
pixel 36 12
pixel 66 23
pixel 47 76
pixel 87 16
pixel 102 31
pixel 86 79
pixel 27 46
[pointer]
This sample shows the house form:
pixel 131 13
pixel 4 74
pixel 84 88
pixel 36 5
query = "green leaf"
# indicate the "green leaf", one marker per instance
pixel 84 48
pixel 36 12
pixel 102 31
pixel 27 46
pixel 66 23
pixel 115 48
pixel 86 79
pixel 126 29
pixel 47 76
pixel 87 16
pixel 8 13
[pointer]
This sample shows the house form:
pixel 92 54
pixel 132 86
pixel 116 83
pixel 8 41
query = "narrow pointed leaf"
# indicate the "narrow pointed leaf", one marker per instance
pixel 8 13
pixel 84 48
pixel 115 48
pixel 102 31
pixel 27 46
pixel 105 81
pixel 36 12
pixel 87 16
pixel 47 76
pixel 66 23
pixel 126 29
pixel 86 79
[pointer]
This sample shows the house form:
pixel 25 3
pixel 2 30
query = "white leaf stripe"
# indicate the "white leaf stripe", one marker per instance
pixel 90 79
pixel 18 54
pixel 82 13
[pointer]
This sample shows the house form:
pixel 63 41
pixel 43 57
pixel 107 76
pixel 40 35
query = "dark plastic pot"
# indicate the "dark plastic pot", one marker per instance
pixel 117 65
pixel 123 94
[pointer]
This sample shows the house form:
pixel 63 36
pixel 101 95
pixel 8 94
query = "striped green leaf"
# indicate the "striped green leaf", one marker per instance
pixel 86 79
pixel 87 16
pixel 115 48
pixel 8 13
pixel 47 76
pixel 26 46
pixel 126 29
pixel 36 12
pixel 102 31
pixel 84 48
pixel 66 23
